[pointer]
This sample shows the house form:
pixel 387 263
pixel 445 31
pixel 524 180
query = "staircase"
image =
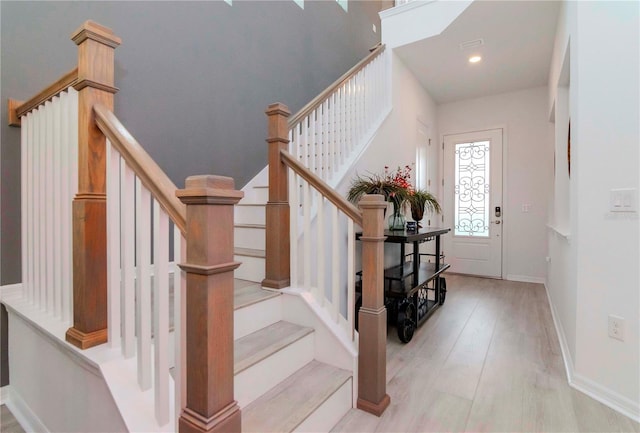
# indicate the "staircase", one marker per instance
pixel 295 363
pixel 279 385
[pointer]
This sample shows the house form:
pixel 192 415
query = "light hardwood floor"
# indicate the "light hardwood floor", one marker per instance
pixel 487 361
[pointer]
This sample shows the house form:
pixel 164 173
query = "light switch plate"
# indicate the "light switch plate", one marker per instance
pixel 623 200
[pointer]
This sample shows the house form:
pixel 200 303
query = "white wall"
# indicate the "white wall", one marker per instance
pixel 604 247
pixel 606 157
pixel 527 170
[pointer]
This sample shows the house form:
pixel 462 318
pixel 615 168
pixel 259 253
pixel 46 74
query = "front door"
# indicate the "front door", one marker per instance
pixel 473 202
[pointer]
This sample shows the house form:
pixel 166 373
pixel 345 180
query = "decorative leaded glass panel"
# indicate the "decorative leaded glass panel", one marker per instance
pixel 472 189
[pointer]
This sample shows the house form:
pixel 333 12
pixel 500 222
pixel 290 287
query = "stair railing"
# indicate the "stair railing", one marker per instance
pixel 143 216
pixel 124 218
pixel 328 252
pixel 329 134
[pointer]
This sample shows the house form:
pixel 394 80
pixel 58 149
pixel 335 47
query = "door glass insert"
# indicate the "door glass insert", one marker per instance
pixel 471 191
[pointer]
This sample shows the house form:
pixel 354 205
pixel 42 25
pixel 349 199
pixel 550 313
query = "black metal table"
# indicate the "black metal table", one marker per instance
pixel 407 285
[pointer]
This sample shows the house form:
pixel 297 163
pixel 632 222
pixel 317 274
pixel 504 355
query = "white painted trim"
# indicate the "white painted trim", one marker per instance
pixel 396 10
pixel 604 395
pixel 526 279
pixel 564 347
pixel 23 414
pixel 5 394
pixel 324 317
pixel 560 232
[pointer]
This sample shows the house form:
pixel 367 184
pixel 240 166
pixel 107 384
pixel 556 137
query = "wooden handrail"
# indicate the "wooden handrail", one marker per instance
pixel 340 202
pixel 315 102
pixel 151 175
pixel 64 82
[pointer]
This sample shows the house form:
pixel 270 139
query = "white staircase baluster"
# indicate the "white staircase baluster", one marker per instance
pixel 73 189
pixel 319 250
pixel 47 217
pixel 335 283
pixel 294 202
pixel 127 243
pixel 143 284
pixel 23 205
pixel 351 270
pixel 161 313
pixel 41 210
pixel 306 211
pixel 114 267
pixel 57 208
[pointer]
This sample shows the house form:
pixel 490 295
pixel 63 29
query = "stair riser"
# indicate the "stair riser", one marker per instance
pixel 251 269
pixel 249 237
pixel 324 418
pixel 260 194
pixel 256 316
pixel 254 214
pixel 259 378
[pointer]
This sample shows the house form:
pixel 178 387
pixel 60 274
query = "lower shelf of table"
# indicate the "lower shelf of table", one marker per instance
pixel 399 279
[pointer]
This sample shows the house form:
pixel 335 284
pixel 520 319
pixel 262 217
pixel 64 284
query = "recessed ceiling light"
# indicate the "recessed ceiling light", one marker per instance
pixel 474 59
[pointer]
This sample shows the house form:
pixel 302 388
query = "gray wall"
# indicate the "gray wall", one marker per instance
pixel 194 78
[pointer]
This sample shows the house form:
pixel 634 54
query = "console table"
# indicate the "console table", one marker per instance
pixel 407 285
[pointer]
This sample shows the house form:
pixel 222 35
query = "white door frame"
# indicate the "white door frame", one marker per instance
pixel 505 176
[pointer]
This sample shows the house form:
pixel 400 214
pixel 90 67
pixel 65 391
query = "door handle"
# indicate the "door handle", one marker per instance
pixel 497 222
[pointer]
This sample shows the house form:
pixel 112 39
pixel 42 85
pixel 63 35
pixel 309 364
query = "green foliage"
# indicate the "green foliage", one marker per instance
pixel 423 199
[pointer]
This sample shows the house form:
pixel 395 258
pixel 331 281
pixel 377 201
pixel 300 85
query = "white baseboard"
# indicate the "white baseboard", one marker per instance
pixel 23 414
pixel 525 279
pixel 606 396
pixel 5 394
pixel 600 393
pixel 564 347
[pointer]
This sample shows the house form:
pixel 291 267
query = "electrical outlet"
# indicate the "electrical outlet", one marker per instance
pixel 616 327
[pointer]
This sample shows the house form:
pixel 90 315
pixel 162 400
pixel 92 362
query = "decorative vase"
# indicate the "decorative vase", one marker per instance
pixel 396 219
pixel 417 213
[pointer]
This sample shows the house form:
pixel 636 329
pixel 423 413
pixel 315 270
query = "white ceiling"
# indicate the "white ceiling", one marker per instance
pixel 518 43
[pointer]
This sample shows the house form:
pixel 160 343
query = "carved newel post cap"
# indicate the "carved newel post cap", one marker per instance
pixel 92 30
pixel 372 201
pixel 209 181
pixel 209 189
pixel 278 108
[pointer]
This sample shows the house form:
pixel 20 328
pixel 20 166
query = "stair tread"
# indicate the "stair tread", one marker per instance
pixel 247 293
pixel 255 347
pixel 249 252
pixel 287 405
pixel 251 226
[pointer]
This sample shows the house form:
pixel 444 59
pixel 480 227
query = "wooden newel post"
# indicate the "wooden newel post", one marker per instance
pixel 372 319
pixel 209 320
pixel 96 46
pixel 277 268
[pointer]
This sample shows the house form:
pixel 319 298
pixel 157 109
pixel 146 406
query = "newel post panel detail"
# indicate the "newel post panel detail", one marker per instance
pixel 372 319
pixel 278 262
pixel 96 47
pixel 210 404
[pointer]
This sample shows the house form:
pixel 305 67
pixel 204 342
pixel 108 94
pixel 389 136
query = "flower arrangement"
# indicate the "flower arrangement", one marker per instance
pixel 396 187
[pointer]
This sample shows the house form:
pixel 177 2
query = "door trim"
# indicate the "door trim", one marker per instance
pixel 505 182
